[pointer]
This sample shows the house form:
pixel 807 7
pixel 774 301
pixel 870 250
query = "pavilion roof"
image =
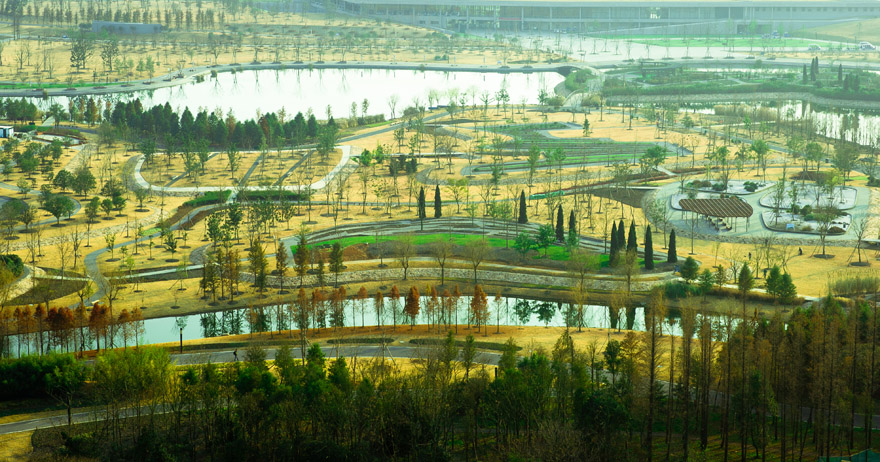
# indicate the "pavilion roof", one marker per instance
pixel 728 207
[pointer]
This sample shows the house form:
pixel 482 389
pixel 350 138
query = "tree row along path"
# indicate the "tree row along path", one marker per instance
pixel 484 358
pixel 188 359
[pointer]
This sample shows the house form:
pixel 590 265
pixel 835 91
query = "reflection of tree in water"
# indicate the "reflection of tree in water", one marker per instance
pixel 545 311
pixel 523 310
pixel 227 322
pixel 630 317
pixel 613 317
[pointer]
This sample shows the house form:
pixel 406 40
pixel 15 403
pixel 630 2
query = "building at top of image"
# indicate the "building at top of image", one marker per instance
pixel 585 16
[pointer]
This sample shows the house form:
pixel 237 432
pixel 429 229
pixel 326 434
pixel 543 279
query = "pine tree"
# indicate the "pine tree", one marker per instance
pixel 523 215
pixel 438 204
pixel 671 256
pixel 772 284
pixel 614 248
pixel 840 73
pixel 281 264
pixel 421 207
pixel 572 230
pixel 336 263
pixel 319 271
pixel 301 257
pixel 787 289
pixel 632 244
pixel 745 282
pixel 621 236
pixel 560 225
pixel 649 249
pixel 690 269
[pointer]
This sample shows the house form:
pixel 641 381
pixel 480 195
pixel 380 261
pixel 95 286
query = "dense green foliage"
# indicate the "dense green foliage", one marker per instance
pixel 741 387
pixel 27 377
pixel 13 263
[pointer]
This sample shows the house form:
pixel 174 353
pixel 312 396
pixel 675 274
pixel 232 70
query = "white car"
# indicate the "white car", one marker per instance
pixel 866 46
pixel 814 48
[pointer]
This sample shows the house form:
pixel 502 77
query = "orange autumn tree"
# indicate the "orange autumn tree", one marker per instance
pixel 479 308
pixel 412 306
pixel 395 306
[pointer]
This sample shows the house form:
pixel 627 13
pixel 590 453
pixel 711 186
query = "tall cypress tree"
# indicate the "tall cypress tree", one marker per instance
pixel 438 204
pixel 621 236
pixel 572 227
pixel 612 253
pixel 523 214
pixel 560 225
pixel 839 73
pixel 649 249
pixel 671 256
pixel 421 207
pixel 632 244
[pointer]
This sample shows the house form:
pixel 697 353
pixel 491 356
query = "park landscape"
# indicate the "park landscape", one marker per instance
pixel 293 232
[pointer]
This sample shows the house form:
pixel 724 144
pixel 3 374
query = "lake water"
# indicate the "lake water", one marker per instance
pixel 508 312
pixel 247 93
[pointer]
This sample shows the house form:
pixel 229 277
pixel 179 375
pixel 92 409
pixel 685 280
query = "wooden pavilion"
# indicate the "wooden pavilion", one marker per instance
pixel 723 213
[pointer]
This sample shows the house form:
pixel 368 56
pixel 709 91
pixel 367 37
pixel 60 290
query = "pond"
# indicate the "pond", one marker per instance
pixel 507 311
pixel 860 126
pixel 247 93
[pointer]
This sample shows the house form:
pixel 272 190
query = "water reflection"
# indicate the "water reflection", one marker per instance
pixel 244 93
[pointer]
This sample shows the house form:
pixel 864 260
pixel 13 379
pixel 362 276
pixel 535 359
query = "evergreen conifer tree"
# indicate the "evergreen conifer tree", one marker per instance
pixel 613 249
pixel 523 214
pixel 649 249
pixel 632 243
pixel 671 255
pixel 690 269
pixel 560 225
pixel 438 204
pixel 421 207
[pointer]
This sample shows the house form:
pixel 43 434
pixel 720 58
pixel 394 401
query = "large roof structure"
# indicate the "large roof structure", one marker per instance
pixel 728 207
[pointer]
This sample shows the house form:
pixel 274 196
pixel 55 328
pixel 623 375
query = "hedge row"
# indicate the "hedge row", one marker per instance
pixel 256 196
pixel 210 197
